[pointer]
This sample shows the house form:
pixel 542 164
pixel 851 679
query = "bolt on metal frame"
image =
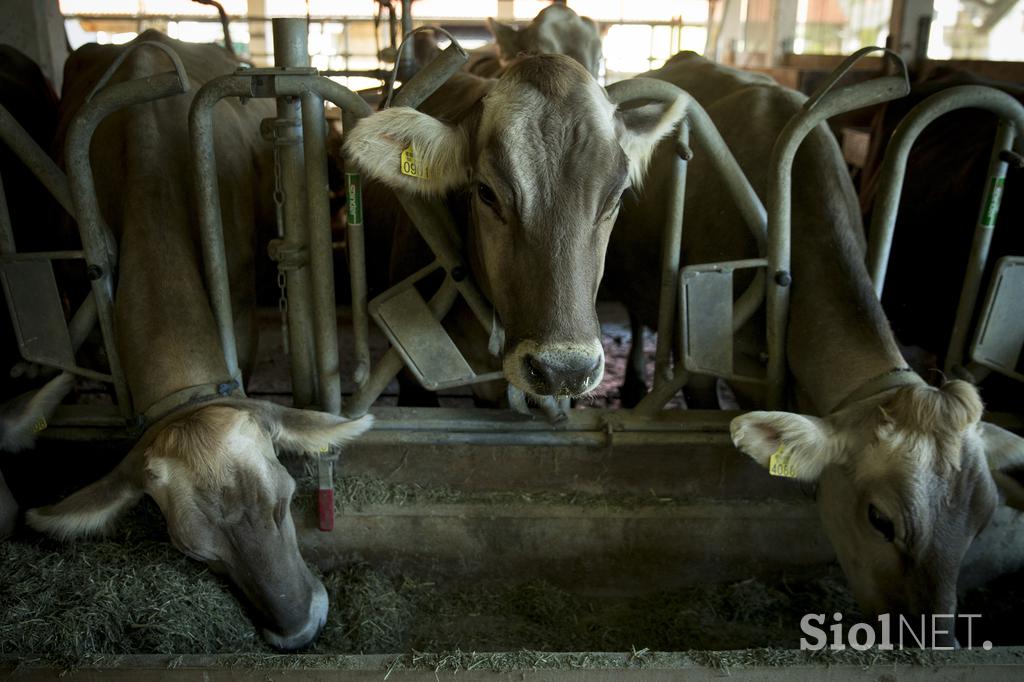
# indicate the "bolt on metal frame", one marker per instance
pixel 894 167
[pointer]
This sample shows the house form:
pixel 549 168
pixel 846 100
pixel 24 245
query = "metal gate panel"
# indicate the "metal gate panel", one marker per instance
pixel 36 312
pixel 1000 336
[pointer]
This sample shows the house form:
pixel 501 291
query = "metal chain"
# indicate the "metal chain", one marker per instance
pixel 282 278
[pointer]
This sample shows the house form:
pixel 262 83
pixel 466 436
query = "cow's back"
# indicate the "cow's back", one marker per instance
pixel 141 158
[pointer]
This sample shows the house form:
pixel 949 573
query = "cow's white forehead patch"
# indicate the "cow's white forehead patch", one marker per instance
pixel 510 108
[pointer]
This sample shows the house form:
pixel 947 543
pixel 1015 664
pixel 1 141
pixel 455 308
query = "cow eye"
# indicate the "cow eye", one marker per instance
pixel 882 523
pixel 488 196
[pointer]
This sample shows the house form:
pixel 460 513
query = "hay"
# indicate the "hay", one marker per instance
pixel 74 603
pixel 83 603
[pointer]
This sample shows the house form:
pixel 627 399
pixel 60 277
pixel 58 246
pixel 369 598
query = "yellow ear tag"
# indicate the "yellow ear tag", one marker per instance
pixel 40 425
pixel 778 463
pixel 410 167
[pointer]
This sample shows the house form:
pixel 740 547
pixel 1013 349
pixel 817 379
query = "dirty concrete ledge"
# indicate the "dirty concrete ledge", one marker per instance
pixel 1003 663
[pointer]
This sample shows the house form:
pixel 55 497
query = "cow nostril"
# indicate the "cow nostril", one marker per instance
pixel 535 367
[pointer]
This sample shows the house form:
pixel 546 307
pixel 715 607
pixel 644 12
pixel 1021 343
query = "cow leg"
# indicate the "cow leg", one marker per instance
pixel 634 384
pixel 8 509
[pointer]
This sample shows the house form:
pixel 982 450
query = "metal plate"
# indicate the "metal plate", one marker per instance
pixel 36 312
pixel 428 351
pixel 1000 337
pixel 707 319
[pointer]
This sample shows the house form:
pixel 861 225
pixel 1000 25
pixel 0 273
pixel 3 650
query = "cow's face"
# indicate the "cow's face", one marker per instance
pixel 226 500
pixel 904 486
pixel 543 163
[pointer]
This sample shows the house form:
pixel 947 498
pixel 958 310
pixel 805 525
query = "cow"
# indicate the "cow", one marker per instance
pixel 209 462
pixel 533 166
pixel 28 96
pixel 902 468
pixel 555 30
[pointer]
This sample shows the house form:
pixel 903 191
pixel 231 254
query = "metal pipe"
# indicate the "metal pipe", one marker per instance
pixel 435 225
pixel 357 277
pixel 45 255
pixel 894 166
pixel 35 159
pixel 97 240
pixel 984 227
pixel 291 51
pixel 240 84
pixel 321 261
pixel 671 252
pixel 824 104
pixel 7 246
pixel 428 79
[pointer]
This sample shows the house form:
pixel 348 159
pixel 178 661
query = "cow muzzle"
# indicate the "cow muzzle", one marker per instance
pixel 558 369
pixel 306 633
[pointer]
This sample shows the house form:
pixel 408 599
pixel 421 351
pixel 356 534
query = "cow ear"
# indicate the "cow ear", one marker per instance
pixel 787 444
pixel 507 38
pixel 94 509
pixel 307 430
pixel 410 151
pixel 640 130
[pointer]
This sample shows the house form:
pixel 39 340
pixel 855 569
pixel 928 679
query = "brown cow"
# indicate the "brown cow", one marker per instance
pixel 903 469
pixel 211 464
pixel 534 164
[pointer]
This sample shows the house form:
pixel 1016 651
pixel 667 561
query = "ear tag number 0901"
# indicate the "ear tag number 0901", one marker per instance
pixel 779 465
pixel 410 167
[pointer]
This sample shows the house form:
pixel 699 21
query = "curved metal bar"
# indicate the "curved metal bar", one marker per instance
pixel 97 240
pixel 824 104
pixel 894 167
pixel 179 68
pixel 245 83
pixel 36 160
pixel 854 92
pixel 432 76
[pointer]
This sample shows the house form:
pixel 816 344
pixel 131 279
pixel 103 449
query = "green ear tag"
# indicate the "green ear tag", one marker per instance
pixel 778 463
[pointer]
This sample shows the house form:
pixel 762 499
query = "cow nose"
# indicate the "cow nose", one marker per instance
pixel 561 372
pixel 308 632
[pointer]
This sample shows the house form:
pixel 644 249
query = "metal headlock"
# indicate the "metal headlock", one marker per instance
pixel 701 295
pixel 1010 336
pixel 29 283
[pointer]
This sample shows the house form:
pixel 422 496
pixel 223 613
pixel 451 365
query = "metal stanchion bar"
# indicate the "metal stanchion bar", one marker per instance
pixel 321 261
pixel 671 248
pixel 290 51
pixel 431 77
pixel 824 104
pixel 253 84
pixel 41 165
pixel 97 241
pixel 894 167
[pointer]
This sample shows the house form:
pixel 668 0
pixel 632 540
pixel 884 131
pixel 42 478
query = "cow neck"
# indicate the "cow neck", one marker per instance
pixel 186 398
pixel 890 381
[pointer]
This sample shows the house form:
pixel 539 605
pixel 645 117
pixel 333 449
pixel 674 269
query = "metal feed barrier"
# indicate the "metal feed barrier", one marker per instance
pixel 999 339
pixel 697 314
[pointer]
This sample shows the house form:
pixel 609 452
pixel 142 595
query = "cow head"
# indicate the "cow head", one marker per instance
pixel 555 30
pixel 904 486
pixel 542 161
pixel 226 500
